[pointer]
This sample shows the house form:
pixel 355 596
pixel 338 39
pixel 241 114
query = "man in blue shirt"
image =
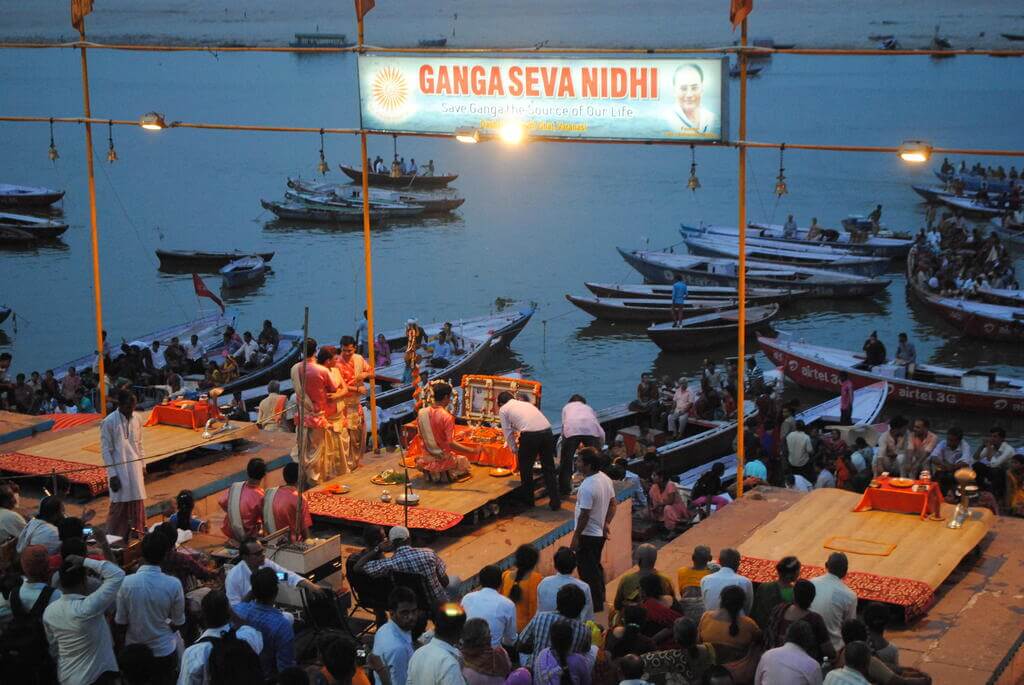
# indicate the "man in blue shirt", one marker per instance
pixel 277 632
pixel 678 300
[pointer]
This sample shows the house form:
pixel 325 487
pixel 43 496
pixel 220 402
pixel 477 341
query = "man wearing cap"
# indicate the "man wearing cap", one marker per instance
pixel 406 559
pixel 682 402
pixel 36 576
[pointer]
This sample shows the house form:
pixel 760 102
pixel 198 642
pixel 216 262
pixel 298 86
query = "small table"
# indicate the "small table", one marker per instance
pixel 185 413
pixel 909 500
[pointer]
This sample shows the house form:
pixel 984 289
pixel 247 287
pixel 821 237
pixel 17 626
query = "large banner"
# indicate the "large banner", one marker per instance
pixel 622 99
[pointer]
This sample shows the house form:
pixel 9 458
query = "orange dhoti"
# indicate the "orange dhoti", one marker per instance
pixel 437 431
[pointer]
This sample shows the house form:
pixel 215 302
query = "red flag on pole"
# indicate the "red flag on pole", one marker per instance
pixel 80 8
pixel 362 7
pixel 738 11
pixel 203 291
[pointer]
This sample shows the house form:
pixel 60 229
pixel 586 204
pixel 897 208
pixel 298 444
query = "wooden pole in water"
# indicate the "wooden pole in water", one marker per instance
pixel 368 269
pixel 93 230
pixel 742 281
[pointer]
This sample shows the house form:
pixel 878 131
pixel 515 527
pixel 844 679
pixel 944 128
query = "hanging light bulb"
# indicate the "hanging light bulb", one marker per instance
pixel 693 182
pixel 322 166
pixel 54 155
pixel 780 180
pixel 111 152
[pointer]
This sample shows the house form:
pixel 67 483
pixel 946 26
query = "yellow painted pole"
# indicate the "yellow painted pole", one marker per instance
pixel 94 230
pixel 742 293
pixel 368 267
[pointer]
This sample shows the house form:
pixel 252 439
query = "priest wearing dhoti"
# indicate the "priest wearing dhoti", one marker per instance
pixel 437 431
pixel 280 506
pixel 121 449
pixel 314 391
pixel 243 504
pixel 333 456
pixel 355 371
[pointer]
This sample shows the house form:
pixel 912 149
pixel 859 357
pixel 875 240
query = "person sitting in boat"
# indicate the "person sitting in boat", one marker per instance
pixel 875 217
pixel 874 352
pixel 396 168
pixel 789 228
pixel 450 336
pixel 413 169
pixel 982 195
pixel 947 168
pixel 646 402
pixel 437 430
pixel 226 373
pixel 247 352
pixel 906 354
pixel 429 170
pixel 404 166
pixel 269 335
pixel 382 351
pixel 815 232
pixel 442 353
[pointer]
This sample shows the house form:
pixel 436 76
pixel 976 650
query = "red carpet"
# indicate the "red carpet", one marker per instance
pixel 913 596
pixel 94 479
pixel 62 422
pixel 379 513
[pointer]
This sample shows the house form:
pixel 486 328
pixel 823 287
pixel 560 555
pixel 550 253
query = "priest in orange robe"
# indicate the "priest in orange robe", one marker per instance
pixel 437 430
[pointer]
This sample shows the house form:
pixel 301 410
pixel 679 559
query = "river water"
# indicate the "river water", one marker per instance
pixel 539 219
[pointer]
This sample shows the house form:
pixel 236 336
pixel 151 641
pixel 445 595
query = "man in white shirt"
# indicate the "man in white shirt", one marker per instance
pixel 76 623
pixel 535 440
pixel 682 401
pixel 238 582
pixel 121 450
pixel 152 607
pixel 580 426
pixel 790 664
pixel 891 444
pixel 393 641
pixel 195 351
pixel 157 355
pixel 439 661
pixel 247 353
pixel 547 590
pixel 362 330
pixel 795 481
pixel 993 459
pixel 826 477
pixel 595 509
pixel 711 585
pixel 799 450
pixel 42 530
pixel 833 600
pixel 948 456
pixel 857 656
pixel 217 616
pixel 489 604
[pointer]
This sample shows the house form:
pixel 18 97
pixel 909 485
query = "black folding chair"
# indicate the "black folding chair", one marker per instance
pixel 369 594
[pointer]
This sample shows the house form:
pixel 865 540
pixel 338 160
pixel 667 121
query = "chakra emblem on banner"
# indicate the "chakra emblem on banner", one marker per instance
pixel 390 92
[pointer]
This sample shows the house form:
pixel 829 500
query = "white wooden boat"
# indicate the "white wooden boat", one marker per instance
pixel 874 246
pixel 12 195
pixel 798 257
pixel 244 271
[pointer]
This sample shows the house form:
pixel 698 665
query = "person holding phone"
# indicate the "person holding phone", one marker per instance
pixel 121 449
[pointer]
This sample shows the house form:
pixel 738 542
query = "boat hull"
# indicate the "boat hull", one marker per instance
pixel 858 266
pixel 203 261
pixel 388 181
pixel 808 372
pixel 873 247
pixel 647 311
pixel 655 273
pixel 687 338
pixel 39 197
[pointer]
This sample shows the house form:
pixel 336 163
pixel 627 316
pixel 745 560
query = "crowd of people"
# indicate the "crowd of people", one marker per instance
pixel 399 167
pixel 953 262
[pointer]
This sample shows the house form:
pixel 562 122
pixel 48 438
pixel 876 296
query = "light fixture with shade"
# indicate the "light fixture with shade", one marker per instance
pixel 915 151
pixel 322 166
pixel 111 152
pixel 467 134
pixel 780 180
pixel 693 182
pixel 512 132
pixel 53 154
pixel 152 121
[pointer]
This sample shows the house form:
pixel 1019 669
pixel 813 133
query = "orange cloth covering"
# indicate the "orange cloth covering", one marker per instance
pixel 185 413
pixel 903 500
pixel 494 451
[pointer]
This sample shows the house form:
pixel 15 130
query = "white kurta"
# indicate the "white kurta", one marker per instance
pixel 121 447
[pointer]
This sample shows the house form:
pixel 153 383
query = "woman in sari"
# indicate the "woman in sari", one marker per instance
pixel 520 582
pixel 735 638
pixel 660 608
pixel 798 610
pixel 382 351
pixel 332 458
pixel 684 665
pixel 482 664
pixel 667 506
pixel 770 595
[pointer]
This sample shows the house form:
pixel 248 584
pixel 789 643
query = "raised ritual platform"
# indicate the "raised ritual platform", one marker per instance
pixel 75 452
pixel 441 505
pixel 17 426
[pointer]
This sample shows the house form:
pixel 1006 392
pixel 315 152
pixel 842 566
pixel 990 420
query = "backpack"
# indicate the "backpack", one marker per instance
pixel 232 660
pixel 23 644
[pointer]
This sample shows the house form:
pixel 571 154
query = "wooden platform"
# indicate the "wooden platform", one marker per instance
pixel 925 551
pixel 969 632
pixel 17 426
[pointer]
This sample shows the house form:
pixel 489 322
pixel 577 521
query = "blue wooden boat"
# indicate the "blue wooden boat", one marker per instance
pixel 244 271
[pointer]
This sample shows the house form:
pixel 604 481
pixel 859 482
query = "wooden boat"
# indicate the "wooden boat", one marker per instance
pixel 710 329
pixel 433 202
pixel 28 196
pixel 974 182
pixel 244 271
pixel 813 366
pixel 5 312
pixel 867 405
pixel 1005 296
pixel 970 317
pixel 403 181
pixel 433 42
pixel 1009 228
pixel 693 292
pixel 1013 36
pixel 798 257
pixel 320 40
pixel 203 261
pixel 862 224
pixel 297 211
pixel 20 228
pixel 873 246
pixel 661 267
pixel 388 210
pixel 754 239
pixel 752 70
pixel 970 206
pixel 479 338
pixel 646 311
pixel 702 442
